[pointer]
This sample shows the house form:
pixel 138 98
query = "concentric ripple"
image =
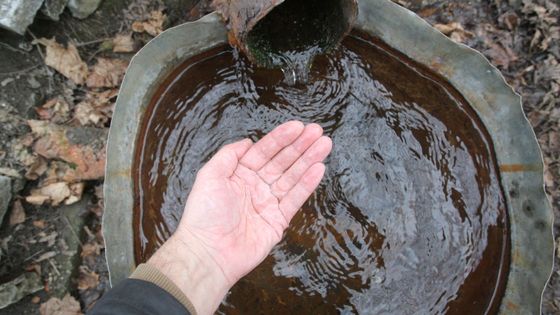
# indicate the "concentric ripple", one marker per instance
pixel 410 217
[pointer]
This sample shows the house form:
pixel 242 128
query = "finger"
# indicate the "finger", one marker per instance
pixel 285 158
pixel 316 153
pixel 266 148
pixel 296 197
pixel 225 161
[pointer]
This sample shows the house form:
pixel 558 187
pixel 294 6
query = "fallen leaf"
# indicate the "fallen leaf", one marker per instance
pixel 10 172
pixel 45 256
pixel 52 193
pixel 18 213
pixel 97 208
pixel 67 306
pixel 499 45
pixel 91 249
pixel 455 31
pixel 65 60
pixel 37 169
pixel 37 199
pixel 76 191
pixel 41 224
pixel 55 110
pixel 96 109
pixel 152 26
pixel 123 43
pixel 56 172
pixel 548 177
pixel 87 279
pixel 500 55
pixel 82 147
pixel 107 73
pixel 49 239
pixel 509 19
pixel 428 11
pixel 34 268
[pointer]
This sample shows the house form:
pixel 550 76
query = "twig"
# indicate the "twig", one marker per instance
pixel 96 41
pixel 93 55
pixel 37 253
pixel 50 76
pixel 20 71
pixel 13 48
pixel 54 267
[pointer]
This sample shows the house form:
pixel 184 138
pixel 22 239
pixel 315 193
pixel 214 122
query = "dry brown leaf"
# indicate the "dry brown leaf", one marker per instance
pixel 455 31
pixel 96 109
pixel 18 213
pixel 52 193
pixel 509 19
pixel 55 110
pixel 554 140
pixel 76 191
pixel 46 256
pixel 67 306
pixel 37 169
pixel 65 60
pixel 56 172
pixel 91 249
pixel 501 55
pixel 123 43
pixel 107 73
pixel 87 279
pixel 97 209
pixel 40 224
pixel 548 177
pixel 37 199
pixel 152 26
pixel 82 147
pixel 36 268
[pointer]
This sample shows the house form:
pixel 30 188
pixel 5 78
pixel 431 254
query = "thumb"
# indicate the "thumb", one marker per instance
pixel 225 161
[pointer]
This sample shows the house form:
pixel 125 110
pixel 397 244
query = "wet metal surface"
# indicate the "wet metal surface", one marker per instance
pixel 409 218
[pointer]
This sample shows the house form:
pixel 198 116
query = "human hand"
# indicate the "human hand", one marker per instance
pixel 240 204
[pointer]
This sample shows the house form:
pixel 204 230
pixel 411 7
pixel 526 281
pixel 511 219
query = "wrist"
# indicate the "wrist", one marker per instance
pixel 188 266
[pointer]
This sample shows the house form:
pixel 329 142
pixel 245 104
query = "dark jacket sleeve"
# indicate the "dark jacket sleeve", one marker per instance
pixel 138 297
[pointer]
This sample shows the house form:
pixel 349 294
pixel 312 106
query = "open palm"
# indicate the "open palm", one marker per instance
pixel 245 196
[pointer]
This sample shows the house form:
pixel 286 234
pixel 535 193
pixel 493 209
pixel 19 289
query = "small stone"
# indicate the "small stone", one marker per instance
pixel 33 82
pixel 15 290
pixel 5 195
pixel 74 219
pixel 81 9
pixel 17 15
pixel 6 82
pixel 53 8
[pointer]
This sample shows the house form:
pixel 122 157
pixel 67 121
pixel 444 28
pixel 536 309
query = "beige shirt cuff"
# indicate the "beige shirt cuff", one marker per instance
pixel 151 274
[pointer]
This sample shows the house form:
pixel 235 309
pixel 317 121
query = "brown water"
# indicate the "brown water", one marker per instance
pixel 410 217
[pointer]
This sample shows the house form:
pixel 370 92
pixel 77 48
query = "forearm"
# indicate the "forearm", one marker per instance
pixel 195 274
